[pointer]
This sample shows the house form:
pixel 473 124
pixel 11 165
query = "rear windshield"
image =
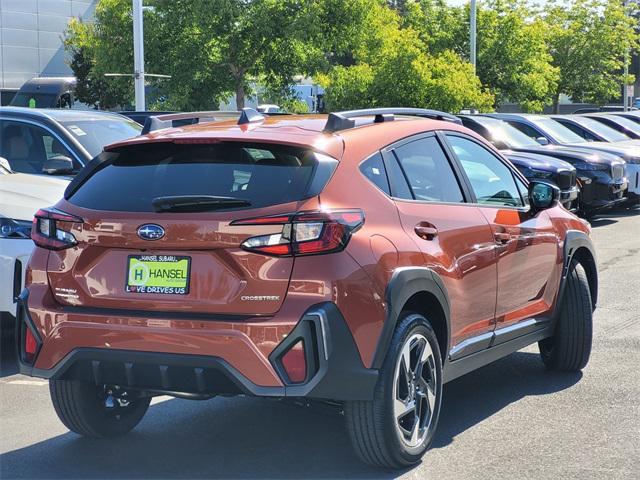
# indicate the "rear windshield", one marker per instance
pixel 261 174
pixel 34 100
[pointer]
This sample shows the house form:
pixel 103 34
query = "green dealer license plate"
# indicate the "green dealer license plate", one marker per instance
pixel 165 274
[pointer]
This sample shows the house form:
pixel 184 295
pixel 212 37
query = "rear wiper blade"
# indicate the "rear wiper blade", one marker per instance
pixel 196 203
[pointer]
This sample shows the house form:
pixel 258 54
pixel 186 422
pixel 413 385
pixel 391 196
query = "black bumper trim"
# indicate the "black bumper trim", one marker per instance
pixel 338 374
pixel 150 371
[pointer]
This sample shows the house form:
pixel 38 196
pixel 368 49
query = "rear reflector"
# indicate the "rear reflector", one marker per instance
pixel 294 363
pixel 30 345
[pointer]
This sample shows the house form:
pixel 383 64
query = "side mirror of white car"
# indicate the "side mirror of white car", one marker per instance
pixel 58 165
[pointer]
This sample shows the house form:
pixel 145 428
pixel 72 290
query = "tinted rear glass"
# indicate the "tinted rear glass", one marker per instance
pixel 262 174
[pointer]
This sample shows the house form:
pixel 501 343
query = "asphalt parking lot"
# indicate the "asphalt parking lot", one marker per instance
pixel 510 419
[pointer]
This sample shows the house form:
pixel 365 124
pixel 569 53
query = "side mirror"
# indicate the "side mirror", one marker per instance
pixel 4 163
pixel 542 140
pixel 543 195
pixel 58 165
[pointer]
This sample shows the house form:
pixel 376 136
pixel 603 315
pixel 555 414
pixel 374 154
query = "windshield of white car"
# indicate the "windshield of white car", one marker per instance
pixel 558 131
pixel 503 132
pixel 94 134
pixel 626 123
pixel 602 130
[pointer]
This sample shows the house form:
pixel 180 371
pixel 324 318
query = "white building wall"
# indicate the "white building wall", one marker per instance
pixel 31 38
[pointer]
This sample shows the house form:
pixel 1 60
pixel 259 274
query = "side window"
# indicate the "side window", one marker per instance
pixel 578 131
pixel 428 171
pixel 524 190
pixel 526 129
pixel 397 180
pixel 492 181
pixel 27 146
pixel 373 169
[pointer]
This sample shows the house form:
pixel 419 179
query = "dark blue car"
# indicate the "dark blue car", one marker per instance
pixel 600 176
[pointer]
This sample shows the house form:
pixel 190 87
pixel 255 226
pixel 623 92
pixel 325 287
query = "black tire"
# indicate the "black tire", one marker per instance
pixel 372 424
pixel 81 407
pixel 570 347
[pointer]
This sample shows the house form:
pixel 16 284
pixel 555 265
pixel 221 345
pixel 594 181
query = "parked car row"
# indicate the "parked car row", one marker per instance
pixel 589 133
pixel 594 159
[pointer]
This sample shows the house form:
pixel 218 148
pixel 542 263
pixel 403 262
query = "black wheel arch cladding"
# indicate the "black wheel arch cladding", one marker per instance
pixel 404 284
pixel 579 247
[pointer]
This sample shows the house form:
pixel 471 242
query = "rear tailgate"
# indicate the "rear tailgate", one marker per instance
pixel 197 264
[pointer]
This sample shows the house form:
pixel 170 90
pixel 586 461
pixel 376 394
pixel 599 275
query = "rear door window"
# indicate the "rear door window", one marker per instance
pixel 524 128
pixel 373 169
pixel 263 175
pixel 428 171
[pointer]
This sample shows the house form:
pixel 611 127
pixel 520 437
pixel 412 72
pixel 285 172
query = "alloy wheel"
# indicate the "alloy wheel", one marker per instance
pixel 414 390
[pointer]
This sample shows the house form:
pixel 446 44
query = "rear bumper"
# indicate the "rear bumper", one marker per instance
pixel 231 365
pixel 14 254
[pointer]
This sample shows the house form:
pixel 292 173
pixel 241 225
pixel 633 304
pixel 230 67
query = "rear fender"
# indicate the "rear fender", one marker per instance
pixel 405 283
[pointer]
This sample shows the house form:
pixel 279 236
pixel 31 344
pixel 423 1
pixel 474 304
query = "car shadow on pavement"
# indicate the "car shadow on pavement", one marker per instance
pixel 471 399
pixel 261 438
pixel 609 217
pixel 8 363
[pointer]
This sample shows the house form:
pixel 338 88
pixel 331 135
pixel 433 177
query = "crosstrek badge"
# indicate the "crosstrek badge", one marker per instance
pixel 162 274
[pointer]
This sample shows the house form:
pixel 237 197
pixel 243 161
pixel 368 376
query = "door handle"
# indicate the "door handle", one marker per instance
pixel 426 232
pixel 502 237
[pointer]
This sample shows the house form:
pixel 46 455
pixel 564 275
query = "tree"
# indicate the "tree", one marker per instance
pixel 395 70
pixel 513 61
pixel 211 48
pixel 588 40
pixel 92 87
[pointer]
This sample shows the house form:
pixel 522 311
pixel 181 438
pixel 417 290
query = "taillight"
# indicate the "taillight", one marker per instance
pixel 51 229
pixel 304 233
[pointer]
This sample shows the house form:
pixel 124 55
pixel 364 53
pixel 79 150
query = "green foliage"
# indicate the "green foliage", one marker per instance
pixel 93 88
pixel 295 105
pixel 365 52
pixel 442 82
pixel 588 40
pixel 349 88
pixel 512 57
pixel 396 70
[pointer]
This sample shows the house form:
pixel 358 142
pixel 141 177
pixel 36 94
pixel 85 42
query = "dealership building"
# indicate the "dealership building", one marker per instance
pixel 31 39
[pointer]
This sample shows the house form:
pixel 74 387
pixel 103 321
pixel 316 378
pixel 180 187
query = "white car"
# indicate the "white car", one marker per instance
pixel 21 195
pixel 268 108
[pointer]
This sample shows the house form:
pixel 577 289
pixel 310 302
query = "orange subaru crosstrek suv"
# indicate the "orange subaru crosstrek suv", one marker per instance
pixel 365 257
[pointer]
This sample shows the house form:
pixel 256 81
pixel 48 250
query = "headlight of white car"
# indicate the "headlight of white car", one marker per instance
pixel 10 228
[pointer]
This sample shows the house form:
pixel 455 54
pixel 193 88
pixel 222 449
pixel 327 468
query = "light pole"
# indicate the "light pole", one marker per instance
pixel 472 35
pixel 625 86
pixel 138 55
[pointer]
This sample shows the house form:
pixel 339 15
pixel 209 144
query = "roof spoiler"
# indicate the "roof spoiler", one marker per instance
pixel 345 120
pixel 158 122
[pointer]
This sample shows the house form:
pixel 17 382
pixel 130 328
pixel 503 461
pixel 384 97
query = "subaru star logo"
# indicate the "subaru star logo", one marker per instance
pixel 150 231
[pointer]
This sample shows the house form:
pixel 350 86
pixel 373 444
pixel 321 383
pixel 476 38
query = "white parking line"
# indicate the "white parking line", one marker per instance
pixel 39 383
pixel 163 398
